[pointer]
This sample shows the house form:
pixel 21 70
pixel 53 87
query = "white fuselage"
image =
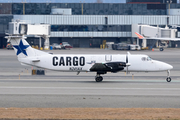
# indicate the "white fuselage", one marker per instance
pixel 83 62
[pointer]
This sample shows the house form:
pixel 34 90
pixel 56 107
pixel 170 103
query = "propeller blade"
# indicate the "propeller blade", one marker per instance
pixel 126 64
pixel 126 69
pixel 126 58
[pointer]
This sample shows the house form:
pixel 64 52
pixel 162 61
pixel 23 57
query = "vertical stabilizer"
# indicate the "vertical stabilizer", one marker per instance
pixel 21 47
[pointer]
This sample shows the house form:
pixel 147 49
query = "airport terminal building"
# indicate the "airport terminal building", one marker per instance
pixel 88 24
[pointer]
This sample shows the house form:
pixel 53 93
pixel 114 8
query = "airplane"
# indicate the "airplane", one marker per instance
pixel 174 26
pixel 98 63
pixel 163 43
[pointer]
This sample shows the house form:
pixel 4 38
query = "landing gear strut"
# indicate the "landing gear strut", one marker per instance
pixel 98 78
pixel 168 79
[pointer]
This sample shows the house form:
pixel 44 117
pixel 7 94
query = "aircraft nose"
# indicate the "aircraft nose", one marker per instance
pixel 167 66
pixel 163 66
pixel 170 67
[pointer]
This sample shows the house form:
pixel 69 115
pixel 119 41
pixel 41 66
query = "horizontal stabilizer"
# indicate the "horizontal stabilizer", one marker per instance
pixel 36 60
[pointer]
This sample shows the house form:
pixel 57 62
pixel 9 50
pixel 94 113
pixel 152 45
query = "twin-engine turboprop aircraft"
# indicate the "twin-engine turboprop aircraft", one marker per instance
pixel 101 64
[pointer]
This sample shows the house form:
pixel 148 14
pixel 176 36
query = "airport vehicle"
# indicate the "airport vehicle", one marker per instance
pixel 121 46
pixel 66 45
pixel 56 46
pixel 134 47
pixel 124 46
pixel 101 64
pixel 163 40
pixel 9 46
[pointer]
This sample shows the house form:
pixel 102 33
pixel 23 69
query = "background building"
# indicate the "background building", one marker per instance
pixel 87 24
pixel 150 1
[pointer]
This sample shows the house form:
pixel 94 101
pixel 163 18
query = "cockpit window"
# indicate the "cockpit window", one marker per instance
pixel 143 58
pixel 146 58
pixel 149 59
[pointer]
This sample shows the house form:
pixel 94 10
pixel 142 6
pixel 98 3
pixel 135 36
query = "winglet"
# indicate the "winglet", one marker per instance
pixel 139 35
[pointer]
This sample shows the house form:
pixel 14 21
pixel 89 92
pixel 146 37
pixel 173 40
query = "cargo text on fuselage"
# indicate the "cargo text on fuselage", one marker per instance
pixel 68 61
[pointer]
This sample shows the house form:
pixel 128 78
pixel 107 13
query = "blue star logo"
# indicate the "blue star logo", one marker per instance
pixel 21 48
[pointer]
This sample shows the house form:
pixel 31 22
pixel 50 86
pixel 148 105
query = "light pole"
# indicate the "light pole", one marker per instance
pixel 169 2
pixel 23 6
pixel 82 6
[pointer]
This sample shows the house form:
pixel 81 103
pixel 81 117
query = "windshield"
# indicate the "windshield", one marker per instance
pixel 146 58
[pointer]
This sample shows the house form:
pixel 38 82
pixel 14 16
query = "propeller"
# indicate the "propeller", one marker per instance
pixel 127 63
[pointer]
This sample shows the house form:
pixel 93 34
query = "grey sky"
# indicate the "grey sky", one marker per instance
pixel 61 1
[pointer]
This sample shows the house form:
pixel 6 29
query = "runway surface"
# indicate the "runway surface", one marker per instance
pixel 18 88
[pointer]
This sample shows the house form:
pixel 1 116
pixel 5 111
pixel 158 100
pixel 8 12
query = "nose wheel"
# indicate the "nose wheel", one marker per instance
pixel 168 79
pixel 98 78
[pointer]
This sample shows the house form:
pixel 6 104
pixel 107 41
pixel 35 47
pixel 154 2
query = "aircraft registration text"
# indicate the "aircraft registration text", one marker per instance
pixel 75 68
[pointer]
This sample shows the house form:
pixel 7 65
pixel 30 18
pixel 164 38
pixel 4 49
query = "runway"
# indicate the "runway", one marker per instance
pixel 115 94
pixel 18 88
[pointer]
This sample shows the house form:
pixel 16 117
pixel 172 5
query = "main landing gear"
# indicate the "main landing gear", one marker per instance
pixel 98 78
pixel 168 79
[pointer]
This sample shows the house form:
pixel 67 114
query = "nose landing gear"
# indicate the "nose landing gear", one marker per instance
pixel 168 79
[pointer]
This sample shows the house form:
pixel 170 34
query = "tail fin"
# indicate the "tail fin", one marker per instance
pixel 22 48
pixel 139 35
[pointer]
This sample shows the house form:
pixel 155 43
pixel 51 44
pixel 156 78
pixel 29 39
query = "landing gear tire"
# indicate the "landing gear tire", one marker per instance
pixel 99 79
pixel 168 79
pixel 161 49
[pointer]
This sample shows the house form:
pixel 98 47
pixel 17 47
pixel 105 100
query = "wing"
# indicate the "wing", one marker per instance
pixel 166 39
pixel 156 38
pixel 35 60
